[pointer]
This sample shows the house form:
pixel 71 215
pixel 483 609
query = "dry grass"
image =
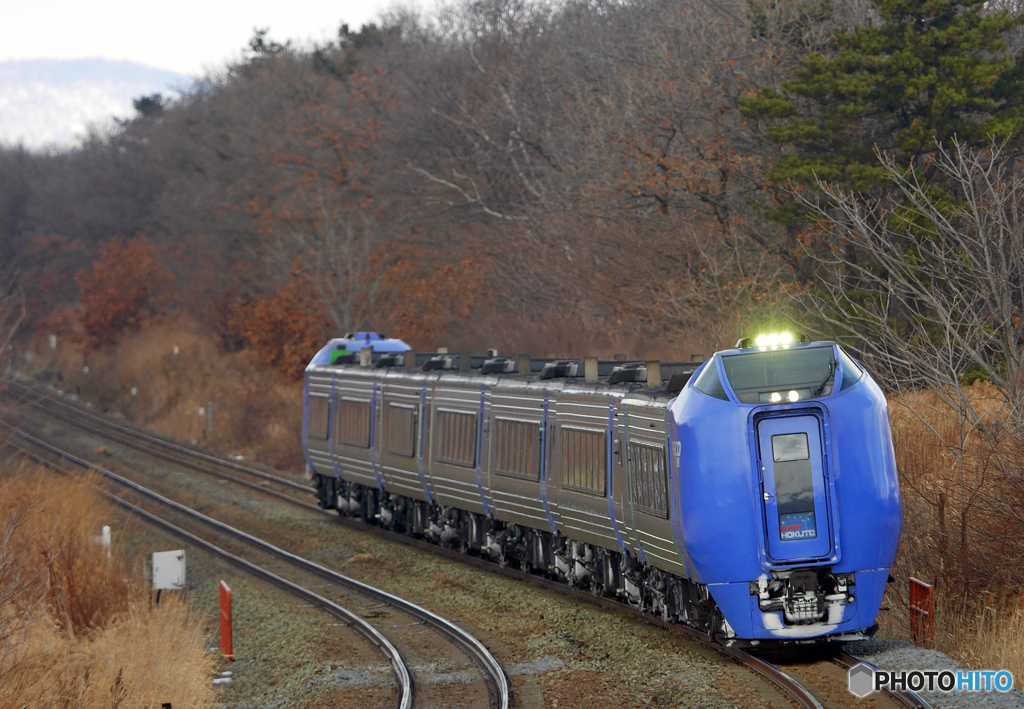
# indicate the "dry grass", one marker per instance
pixel 76 629
pixel 50 556
pixel 982 633
pixel 144 658
pixel 256 412
pixel 963 510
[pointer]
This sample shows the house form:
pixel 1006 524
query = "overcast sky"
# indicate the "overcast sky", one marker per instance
pixel 186 36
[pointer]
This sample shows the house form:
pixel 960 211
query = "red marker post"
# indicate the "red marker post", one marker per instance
pixel 226 644
pixel 922 614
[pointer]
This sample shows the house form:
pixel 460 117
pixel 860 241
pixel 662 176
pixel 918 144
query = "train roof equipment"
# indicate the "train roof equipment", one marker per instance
pixel 665 379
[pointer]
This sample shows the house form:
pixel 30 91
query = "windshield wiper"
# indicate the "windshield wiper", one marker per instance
pixel 831 373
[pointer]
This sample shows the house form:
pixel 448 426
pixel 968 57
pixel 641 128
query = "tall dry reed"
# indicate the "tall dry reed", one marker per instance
pixel 76 628
pixel 963 503
pixel 983 634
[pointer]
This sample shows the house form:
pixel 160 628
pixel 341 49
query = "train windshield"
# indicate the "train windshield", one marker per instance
pixel 783 376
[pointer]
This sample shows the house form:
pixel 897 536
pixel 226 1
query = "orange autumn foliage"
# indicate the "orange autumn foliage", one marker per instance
pixel 424 303
pixel 284 328
pixel 435 306
pixel 127 285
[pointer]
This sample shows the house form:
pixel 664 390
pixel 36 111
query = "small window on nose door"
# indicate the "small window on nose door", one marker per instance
pixel 790 447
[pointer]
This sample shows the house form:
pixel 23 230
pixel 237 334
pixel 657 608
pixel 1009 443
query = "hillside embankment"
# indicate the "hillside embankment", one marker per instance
pixel 170 375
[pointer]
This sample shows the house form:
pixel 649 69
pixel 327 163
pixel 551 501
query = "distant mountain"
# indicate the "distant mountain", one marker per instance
pixel 51 102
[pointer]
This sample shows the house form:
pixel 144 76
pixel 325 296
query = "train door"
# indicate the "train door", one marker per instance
pixel 794 488
pixel 585 468
pixel 354 426
pixel 516 435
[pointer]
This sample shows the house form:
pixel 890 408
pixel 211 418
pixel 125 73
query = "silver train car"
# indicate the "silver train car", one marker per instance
pixel 541 469
pixel 568 469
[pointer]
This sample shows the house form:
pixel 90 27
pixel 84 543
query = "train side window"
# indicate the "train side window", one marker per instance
pixel 709 383
pixel 319 416
pixel 584 459
pixel 517 448
pixel 648 478
pixel 402 429
pixel 352 422
pixel 456 437
pixel 851 372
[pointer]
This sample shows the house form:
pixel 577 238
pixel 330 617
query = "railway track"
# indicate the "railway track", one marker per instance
pixel 788 684
pixel 396 648
pixel 165 448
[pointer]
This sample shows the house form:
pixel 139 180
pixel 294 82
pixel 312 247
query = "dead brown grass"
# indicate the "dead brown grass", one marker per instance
pixel 76 628
pixel 51 556
pixel 963 501
pixel 144 658
pixel 982 633
pixel 257 413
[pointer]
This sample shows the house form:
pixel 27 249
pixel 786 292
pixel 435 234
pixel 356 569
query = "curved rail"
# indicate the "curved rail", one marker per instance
pixel 497 682
pixel 350 619
pixel 773 674
pixel 133 434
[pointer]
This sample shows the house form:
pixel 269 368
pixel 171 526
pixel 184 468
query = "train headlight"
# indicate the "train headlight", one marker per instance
pixel 794 396
pixel 771 341
pixel 775 398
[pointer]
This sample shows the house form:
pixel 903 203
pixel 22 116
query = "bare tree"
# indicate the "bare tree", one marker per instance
pixel 341 248
pixel 928 287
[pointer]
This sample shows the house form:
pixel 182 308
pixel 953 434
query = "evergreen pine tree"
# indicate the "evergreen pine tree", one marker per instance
pixel 924 72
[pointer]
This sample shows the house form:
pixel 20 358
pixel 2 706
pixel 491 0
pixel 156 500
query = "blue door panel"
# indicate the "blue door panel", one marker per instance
pixel 794 491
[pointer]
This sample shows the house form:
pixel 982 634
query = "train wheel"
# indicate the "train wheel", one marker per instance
pixel 673 603
pixel 368 510
pixel 597 582
pixel 526 555
pixel 465 526
pixel 606 580
pixel 715 620
pixel 420 518
pixel 321 492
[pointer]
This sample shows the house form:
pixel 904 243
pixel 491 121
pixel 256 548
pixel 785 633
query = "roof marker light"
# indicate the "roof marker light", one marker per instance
pixel 771 341
pixel 775 398
pixel 794 396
